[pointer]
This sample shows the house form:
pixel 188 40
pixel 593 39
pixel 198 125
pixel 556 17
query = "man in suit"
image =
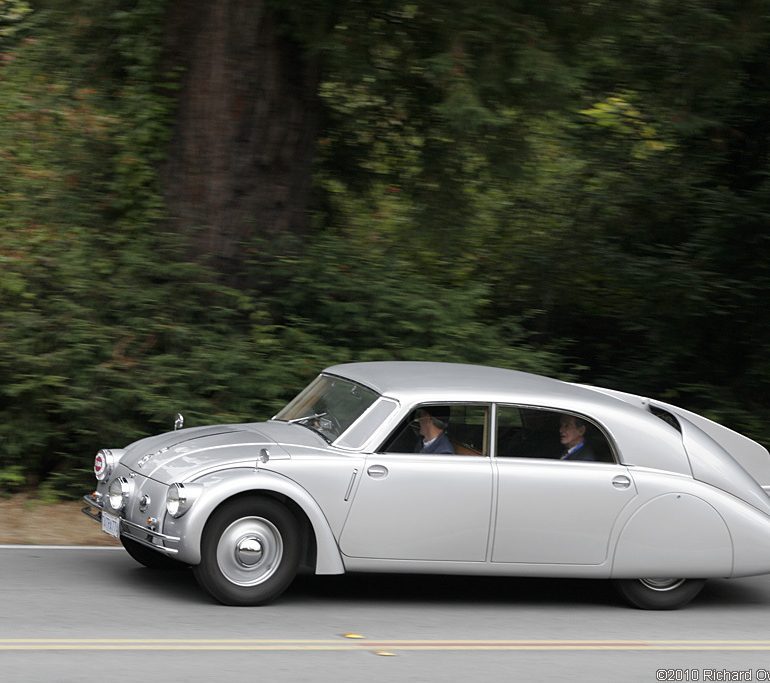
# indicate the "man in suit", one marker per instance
pixel 572 431
pixel 433 422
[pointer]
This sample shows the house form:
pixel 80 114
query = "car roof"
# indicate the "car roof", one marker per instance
pixel 624 416
pixel 416 379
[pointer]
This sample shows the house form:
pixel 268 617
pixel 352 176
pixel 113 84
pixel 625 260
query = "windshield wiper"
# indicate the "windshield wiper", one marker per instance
pixel 307 417
pixel 302 421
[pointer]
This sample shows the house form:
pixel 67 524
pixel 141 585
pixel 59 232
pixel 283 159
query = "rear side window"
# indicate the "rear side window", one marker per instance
pixel 524 432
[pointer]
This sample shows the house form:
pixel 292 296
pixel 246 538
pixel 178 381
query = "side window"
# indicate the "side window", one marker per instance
pixel 539 433
pixel 442 429
pixel 527 433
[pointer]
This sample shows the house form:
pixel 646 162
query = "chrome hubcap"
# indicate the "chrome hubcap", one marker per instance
pixel 249 551
pixel 662 584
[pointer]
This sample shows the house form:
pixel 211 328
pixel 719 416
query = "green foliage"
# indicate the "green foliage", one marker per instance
pixel 578 189
pixel 12 478
pixel 600 168
pixel 12 15
pixel 78 196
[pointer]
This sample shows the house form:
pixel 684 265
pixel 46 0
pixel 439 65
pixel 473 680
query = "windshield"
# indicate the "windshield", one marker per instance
pixel 328 405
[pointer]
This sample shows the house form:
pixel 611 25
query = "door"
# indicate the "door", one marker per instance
pixel 421 507
pixel 558 512
pixel 559 487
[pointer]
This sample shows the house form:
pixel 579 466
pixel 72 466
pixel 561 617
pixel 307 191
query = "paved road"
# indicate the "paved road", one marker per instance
pixel 94 614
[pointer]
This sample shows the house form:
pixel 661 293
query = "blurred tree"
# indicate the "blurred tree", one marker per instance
pixel 240 158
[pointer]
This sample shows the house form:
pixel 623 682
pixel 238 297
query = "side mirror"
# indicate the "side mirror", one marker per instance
pixel 178 421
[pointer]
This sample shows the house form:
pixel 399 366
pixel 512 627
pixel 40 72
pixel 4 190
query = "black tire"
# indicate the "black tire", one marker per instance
pixel 658 593
pixel 149 557
pixel 250 552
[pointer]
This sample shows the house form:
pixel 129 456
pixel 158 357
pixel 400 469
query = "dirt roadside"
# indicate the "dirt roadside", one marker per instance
pixel 26 520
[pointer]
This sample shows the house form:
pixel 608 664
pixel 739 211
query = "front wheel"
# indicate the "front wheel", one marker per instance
pixel 658 593
pixel 249 552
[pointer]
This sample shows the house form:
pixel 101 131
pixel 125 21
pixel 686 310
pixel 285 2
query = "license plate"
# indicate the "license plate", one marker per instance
pixel 111 524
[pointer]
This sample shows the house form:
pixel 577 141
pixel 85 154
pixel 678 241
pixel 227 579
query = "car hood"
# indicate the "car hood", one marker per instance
pixel 183 454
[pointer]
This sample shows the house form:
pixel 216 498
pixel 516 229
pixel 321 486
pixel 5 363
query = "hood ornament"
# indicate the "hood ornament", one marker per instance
pixel 178 421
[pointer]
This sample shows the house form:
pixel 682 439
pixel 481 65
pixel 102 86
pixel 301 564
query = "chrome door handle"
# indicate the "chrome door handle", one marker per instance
pixel 621 482
pixel 377 471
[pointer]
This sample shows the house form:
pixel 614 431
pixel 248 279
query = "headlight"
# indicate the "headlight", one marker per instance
pixel 118 493
pixel 104 462
pixel 180 497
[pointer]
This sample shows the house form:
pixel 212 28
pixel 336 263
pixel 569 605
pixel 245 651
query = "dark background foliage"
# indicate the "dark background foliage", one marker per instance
pixel 202 204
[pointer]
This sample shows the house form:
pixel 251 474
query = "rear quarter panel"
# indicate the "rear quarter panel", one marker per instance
pixel 686 528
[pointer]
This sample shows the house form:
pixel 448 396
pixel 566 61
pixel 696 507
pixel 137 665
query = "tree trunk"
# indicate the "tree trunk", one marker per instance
pixel 240 157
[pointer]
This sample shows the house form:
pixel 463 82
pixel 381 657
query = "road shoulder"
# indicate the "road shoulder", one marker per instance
pixel 25 520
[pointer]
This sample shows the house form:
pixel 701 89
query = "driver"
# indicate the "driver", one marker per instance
pixel 433 422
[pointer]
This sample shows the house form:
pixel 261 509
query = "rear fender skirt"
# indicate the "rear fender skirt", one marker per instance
pixel 674 534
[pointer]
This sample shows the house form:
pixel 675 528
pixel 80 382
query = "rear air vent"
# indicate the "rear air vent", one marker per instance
pixel 667 417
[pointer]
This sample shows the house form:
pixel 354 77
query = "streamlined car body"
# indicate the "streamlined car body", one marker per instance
pixel 654 497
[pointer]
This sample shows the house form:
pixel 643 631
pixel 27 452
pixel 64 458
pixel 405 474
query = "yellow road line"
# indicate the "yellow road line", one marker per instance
pixel 163 641
pixel 282 645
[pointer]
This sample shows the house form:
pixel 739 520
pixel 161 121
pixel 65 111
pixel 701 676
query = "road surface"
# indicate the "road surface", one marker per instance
pixel 81 614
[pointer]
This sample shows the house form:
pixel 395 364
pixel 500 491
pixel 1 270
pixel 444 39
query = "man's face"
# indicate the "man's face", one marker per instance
pixel 569 433
pixel 423 419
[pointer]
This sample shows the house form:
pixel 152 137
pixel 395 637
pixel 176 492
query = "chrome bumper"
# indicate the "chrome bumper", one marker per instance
pixel 136 532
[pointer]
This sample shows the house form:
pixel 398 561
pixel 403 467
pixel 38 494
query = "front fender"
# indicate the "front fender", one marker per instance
pixel 220 486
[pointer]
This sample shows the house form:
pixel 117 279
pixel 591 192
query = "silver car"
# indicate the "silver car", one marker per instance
pixel 446 468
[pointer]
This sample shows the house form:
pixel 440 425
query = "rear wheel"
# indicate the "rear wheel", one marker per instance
pixel 663 593
pixel 149 557
pixel 249 552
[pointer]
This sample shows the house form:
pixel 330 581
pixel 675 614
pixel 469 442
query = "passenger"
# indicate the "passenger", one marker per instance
pixel 433 422
pixel 572 431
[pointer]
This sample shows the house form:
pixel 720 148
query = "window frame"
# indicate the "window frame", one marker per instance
pixel 402 424
pixel 612 447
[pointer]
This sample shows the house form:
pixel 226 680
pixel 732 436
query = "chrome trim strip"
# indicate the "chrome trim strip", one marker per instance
pixel 150 544
pixel 146 530
pixel 350 485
